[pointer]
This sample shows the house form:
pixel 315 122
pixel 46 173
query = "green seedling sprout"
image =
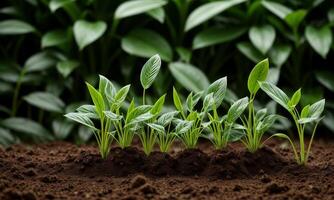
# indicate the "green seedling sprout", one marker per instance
pixel 257 123
pixel 309 114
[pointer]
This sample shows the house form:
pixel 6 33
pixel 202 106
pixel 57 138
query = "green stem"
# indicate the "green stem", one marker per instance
pixel 144 97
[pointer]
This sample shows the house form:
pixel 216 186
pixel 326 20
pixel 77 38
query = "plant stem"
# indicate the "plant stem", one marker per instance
pixel 144 97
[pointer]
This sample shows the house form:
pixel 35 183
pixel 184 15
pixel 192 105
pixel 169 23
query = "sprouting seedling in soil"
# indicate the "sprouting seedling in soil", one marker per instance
pixel 102 102
pixel 221 128
pixel 309 114
pixel 149 72
pixel 257 123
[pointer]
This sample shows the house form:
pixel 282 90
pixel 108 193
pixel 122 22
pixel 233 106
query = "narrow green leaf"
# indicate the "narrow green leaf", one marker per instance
pixel 45 101
pixel 262 37
pixel 159 104
pixel 207 11
pixel 177 101
pixel 167 118
pixel 156 127
pixel 15 27
pixel 86 32
pixel 217 35
pixel 275 93
pixel 145 43
pixel 81 118
pixel 150 71
pixel 112 116
pixel 295 99
pixel 135 7
pixel 278 9
pixel 320 38
pixel 97 100
pixel 218 88
pixel 189 76
pixel 258 73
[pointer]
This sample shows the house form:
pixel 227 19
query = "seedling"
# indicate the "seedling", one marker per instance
pixel 309 114
pixel 258 122
pixel 148 74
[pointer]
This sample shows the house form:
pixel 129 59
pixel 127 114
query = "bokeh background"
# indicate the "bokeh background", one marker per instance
pixel 48 48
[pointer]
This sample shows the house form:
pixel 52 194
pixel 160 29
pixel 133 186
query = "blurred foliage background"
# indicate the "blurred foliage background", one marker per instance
pixel 48 48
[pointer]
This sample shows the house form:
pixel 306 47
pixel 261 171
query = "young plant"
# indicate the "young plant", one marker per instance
pixel 149 72
pixel 257 123
pixel 309 114
pixel 221 127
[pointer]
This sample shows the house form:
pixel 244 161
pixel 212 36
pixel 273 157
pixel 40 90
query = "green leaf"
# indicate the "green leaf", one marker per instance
pixel 275 93
pixel 295 18
pixel 316 109
pixel 207 11
pixel 158 14
pixel 326 78
pixel 150 71
pixel 28 127
pixel 89 110
pixel 189 76
pixel 81 118
pixel 183 127
pixel 135 7
pixel 208 102
pixel 86 32
pixel 15 27
pixel 250 51
pixel 273 75
pixel 159 104
pixel 262 37
pixel 62 128
pixel 320 38
pixel 120 96
pixel 185 54
pixel 54 38
pixel 218 88
pixel 217 35
pixel 237 109
pixel 56 4
pixel 177 101
pixel 145 43
pixel 266 123
pixel 45 101
pixel 112 116
pixel 330 16
pixel 278 9
pixel 39 62
pixel 279 54
pixel 97 99
pixel 305 111
pixel 295 99
pixel 6 138
pixel 167 118
pixel 140 110
pixel 65 67
pixel 258 73
pixel 156 127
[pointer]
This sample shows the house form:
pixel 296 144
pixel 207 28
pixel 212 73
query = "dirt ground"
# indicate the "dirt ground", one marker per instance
pixel 64 171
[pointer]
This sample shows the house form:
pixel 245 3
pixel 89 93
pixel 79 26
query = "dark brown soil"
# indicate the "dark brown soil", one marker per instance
pixel 65 171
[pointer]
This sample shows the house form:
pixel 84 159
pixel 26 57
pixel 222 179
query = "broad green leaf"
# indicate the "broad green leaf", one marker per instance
pixel 217 35
pixel 135 7
pixel 189 102
pixel 65 67
pixel 260 114
pixel 158 14
pixel 56 4
pixel 54 38
pixel 279 54
pixel 45 101
pixel 150 71
pixel 15 27
pixel 140 110
pixel 295 99
pixel 86 32
pixel 237 109
pixel 326 78
pixel 81 118
pixel 183 127
pixel 145 43
pixel 275 93
pixel 62 128
pixel 97 99
pixel 207 11
pixel 258 73
pixel 208 102
pixel 218 88
pixel 89 110
pixel 316 109
pixel 28 127
pixel 266 123
pixel 262 37
pixel 247 49
pixel 112 116
pixel 156 127
pixel 6 138
pixel 177 101
pixel 320 38
pixel 189 76
pixel 166 118
pixel 158 105
pixel 39 62
pixel 295 18
pixel 278 9
pixel 305 111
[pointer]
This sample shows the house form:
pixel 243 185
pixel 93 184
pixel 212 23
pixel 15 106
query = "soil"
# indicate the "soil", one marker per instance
pixel 62 170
